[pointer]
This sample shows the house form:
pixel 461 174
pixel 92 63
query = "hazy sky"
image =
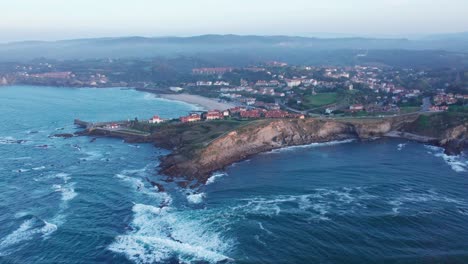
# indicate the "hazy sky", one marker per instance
pixel 64 19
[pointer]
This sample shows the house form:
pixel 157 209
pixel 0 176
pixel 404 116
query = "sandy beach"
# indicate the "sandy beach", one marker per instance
pixel 204 102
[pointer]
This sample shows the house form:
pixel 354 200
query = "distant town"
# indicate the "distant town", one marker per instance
pixel 267 90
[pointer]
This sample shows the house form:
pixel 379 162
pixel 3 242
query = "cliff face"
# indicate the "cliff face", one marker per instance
pixel 254 139
pixel 455 139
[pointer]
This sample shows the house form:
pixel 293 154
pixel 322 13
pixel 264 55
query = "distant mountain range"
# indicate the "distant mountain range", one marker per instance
pixel 258 47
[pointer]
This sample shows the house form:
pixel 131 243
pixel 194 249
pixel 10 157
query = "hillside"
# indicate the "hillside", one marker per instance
pixel 247 49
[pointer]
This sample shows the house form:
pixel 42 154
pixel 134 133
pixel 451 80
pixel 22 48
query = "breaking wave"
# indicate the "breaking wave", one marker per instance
pixel 457 163
pixel 30 229
pixel 159 232
pixel 164 234
pixel 196 198
pixel 313 145
pixel 214 177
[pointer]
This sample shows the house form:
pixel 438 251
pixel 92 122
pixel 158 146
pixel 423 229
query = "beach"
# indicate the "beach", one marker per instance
pixel 204 102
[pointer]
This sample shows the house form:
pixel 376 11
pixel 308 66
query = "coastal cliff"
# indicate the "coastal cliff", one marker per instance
pixel 200 148
pixel 265 136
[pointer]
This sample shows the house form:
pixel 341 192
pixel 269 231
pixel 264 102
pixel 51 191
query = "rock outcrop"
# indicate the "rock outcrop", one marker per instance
pixel 455 139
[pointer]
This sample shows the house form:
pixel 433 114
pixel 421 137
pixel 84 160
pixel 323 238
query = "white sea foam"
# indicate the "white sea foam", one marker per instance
pixel 20 158
pixel 416 202
pixel 25 232
pixel 68 191
pixel 313 145
pixel 93 155
pixel 214 177
pixel 21 170
pixel 401 146
pixel 39 168
pixel 64 176
pixel 318 204
pixel 457 163
pixel 138 185
pixel 8 140
pixel 196 198
pixel 48 229
pixel 161 234
pixel 264 229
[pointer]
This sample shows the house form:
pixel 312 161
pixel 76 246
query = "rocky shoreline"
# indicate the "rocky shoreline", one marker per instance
pixel 199 163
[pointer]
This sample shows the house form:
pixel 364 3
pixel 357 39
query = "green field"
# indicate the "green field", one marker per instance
pixel 320 99
pixel 409 109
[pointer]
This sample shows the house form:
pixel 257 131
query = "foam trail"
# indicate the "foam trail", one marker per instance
pixel 214 177
pixel 313 145
pixel 25 232
pixel 39 168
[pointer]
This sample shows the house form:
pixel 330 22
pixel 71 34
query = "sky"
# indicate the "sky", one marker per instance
pixel 71 19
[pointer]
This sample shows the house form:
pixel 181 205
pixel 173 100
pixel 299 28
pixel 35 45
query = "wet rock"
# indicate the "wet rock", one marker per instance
pixel 64 135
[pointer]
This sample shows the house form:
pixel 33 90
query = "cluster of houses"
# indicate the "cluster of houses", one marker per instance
pixel 438 108
pixel 239 112
pixel 210 83
pixel 449 99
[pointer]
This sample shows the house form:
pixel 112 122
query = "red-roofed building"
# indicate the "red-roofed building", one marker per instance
pixel 237 109
pixel 356 107
pixel 276 114
pixel 190 118
pixel 156 120
pixel 214 115
pixel 251 114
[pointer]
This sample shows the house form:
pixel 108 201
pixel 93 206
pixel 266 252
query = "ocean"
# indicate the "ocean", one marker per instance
pixel 81 200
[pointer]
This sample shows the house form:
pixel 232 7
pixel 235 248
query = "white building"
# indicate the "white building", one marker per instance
pixel 293 82
pixel 156 120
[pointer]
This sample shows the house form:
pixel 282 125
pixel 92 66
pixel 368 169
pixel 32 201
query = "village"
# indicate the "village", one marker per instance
pixel 272 89
pixel 238 113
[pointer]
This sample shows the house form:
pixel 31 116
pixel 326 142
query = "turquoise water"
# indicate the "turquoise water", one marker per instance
pixel 77 201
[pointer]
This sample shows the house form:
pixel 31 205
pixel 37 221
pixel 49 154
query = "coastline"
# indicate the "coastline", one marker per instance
pixel 198 154
pixel 203 102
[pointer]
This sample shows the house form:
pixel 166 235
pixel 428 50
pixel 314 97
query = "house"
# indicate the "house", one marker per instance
pixel 221 83
pixel 214 115
pixel 176 89
pixel 190 118
pixel 293 82
pixel 438 108
pixel 204 83
pixel 156 120
pixel 113 126
pixel 237 109
pixel 356 107
pixel 209 71
pixel 255 113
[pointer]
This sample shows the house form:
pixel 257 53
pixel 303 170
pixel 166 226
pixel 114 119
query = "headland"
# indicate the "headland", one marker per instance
pixel 203 147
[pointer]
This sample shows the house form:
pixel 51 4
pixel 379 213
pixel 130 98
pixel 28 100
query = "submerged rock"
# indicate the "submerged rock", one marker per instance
pixel 64 135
